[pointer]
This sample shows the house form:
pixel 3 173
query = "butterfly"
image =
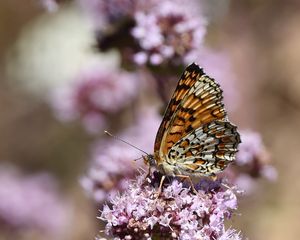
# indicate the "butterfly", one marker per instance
pixel 195 137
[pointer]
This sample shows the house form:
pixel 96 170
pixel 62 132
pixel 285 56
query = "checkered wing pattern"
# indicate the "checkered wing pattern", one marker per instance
pixel 195 134
pixel 206 150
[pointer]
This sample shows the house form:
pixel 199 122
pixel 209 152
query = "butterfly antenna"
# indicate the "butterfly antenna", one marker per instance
pixel 119 139
pixel 137 159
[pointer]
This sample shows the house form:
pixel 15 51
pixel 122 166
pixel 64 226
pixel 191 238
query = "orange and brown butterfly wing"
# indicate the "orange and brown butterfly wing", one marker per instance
pixel 206 150
pixel 196 101
pixel 187 80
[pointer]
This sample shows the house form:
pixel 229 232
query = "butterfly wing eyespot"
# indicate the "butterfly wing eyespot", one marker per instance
pixel 195 135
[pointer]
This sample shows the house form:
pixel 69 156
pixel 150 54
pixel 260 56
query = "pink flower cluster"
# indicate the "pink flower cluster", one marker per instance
pixel 31 202
pixel 93 95
pixel 168 31
pixel 113 161
pixel 176 213
pixel 251 149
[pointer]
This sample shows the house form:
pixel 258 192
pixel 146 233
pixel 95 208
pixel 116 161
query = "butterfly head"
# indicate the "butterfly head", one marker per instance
pixel 150 160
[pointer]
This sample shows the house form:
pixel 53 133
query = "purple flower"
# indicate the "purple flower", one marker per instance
pixel 93 95
pixel 251 149
pixel 157 31
pixel 177 213
pixel 112 161
pixel 31 202
pixel 253 156
pixel 168 31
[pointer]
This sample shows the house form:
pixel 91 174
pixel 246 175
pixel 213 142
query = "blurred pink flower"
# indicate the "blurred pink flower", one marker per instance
pixel 94 94
pixel 177 213
pixel 251 149
pixel 168 31
pixel 112 161
pixel 31 202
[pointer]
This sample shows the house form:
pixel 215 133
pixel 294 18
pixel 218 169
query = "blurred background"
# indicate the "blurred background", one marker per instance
pixel 70 69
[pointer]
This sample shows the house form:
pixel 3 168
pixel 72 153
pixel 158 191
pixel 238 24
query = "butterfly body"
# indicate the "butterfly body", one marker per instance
pixel 195 137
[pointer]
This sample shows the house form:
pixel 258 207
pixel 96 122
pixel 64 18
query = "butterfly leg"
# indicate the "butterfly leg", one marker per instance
pixel 148 173
pixel 213 177
pixel 185 177
pixel 147 177
pixel 160 185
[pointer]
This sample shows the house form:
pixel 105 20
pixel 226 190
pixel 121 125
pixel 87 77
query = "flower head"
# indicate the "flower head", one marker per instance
pixel 31 202
pixel 251 149
pixel 157 31
pixel 168 30
pixel 93 95
pixel 176 213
